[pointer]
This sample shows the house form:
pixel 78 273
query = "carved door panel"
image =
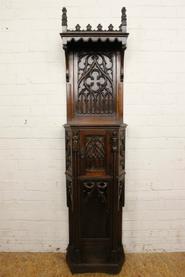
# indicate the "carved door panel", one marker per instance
pixel 95 209
pixel 95 183
pixel 95 154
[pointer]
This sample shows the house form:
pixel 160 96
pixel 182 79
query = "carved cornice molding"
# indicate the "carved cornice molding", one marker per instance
pixel 98 34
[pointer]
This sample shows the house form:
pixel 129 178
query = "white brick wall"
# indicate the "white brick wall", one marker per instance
pixel 33 213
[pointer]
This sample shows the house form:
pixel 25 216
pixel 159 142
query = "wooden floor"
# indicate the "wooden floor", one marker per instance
pixel 54 265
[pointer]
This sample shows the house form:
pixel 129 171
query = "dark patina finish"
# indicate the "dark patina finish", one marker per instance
pixel 95 145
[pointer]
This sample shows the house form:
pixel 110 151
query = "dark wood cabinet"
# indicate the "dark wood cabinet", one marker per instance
pixel 95 146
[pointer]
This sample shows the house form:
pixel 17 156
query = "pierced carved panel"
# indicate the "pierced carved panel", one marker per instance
pixel 95 84
pixel 91 187
pixel 95 152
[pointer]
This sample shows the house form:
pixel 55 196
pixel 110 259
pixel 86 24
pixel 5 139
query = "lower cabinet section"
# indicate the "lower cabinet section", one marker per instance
pixel 94 209
pixel 95 196
pixel 95 252
pixel 95 259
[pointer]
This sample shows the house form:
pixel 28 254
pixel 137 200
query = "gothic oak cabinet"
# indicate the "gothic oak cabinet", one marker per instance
pixel 95 145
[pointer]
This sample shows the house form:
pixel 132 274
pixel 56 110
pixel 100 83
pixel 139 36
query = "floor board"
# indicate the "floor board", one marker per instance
pixel 54 265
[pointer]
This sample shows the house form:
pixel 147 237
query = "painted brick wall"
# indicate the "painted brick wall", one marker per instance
pixel 33 213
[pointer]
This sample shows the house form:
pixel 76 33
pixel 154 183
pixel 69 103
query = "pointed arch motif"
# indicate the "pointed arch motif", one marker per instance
pixel 95 83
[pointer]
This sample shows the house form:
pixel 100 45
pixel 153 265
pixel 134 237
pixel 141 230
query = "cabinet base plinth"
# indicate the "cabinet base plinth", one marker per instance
pixel 109 267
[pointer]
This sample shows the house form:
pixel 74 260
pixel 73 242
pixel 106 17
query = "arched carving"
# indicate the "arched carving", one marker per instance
pixel 95 84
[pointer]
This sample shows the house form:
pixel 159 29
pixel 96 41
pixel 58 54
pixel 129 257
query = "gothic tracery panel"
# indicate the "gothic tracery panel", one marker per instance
pixel 95 84
pixel 95 152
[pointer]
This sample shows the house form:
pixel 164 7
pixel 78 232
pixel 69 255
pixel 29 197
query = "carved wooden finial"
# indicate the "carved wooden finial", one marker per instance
pixel 77 27
pixel 99 27
pixel 64 19
pixel 89 27
pixel 110 27
pixel 123 17
pixel 123 20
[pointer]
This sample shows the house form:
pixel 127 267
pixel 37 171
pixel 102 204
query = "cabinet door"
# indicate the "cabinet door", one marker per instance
pixel 95 207
pixel 95 183
pixel 95 153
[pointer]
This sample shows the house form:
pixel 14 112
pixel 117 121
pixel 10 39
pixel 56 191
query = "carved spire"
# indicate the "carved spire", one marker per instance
pixel 123 25
pixel 77 27
pixel 64 19
pixel 110 27
pixel 123 17
pixel 89 27
pixel 99 27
